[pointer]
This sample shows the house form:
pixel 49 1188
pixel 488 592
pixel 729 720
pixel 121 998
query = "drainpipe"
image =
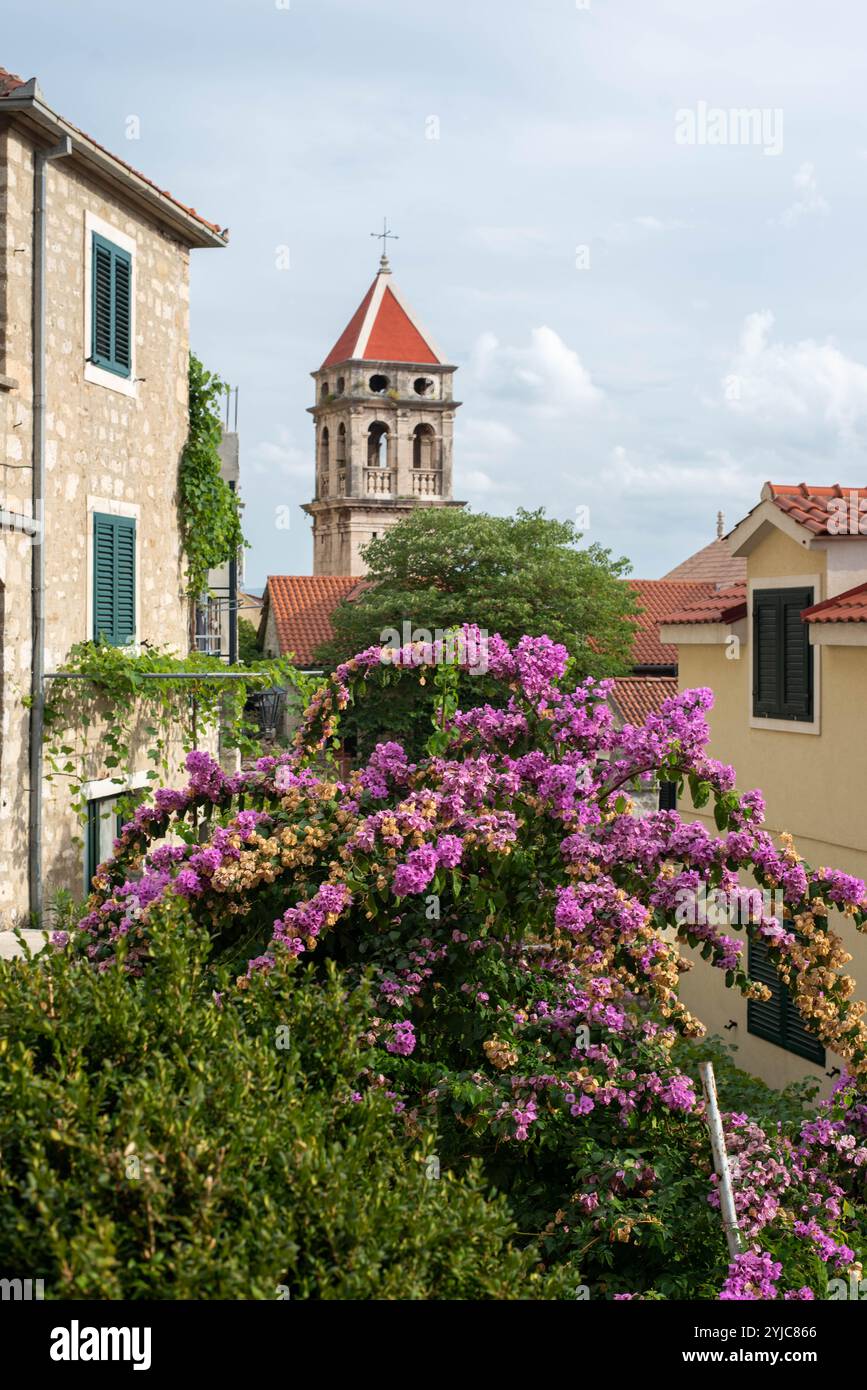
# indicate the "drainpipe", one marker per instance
pixel 37 659
pixel 233 604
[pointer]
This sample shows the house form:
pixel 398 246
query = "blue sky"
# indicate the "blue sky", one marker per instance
pixel 645 327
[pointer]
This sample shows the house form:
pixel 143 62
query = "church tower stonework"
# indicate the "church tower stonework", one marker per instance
pixel 384 418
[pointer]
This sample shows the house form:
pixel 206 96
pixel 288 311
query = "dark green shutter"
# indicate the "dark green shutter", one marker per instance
pixel 776 1019
pixel 782 655
pixel 98 811
pixel 113 579
pixel 122 311
pixel 797 655
pixel 91 845
pixel 101 303
pixel 111 345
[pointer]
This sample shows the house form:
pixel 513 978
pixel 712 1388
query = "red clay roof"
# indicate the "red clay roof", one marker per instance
pixel 823 510
pixel 635 697
pixel 715 564
pixel 721 606
pixel 383 329
pixel 848 607
pixel 9 81
pixel 658 598
pixel 302 605
pixel 9 84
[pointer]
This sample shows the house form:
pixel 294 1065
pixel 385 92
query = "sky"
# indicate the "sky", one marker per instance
pixel 636 226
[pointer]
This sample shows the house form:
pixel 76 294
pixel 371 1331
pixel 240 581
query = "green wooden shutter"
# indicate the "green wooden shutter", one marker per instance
pixel 776 1019
pixel 101 271
pixel 766 652
pixel 122 311
pixel 113 579
pixel 111 301
pixel 125 580
pixel 91 845
pixel 782 655
pixel 797 655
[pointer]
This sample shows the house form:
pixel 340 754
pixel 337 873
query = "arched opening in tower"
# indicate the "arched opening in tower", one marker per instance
pixel 424 453
pixel 377 445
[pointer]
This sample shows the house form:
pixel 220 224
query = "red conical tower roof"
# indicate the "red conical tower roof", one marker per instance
pixel 384 329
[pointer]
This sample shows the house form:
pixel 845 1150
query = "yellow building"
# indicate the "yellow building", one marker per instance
pixel 785 654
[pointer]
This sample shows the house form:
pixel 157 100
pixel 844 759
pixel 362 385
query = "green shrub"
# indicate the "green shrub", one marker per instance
pixel 158 1142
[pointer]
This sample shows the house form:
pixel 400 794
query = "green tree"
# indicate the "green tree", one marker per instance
pixel 512 575
pixel 209 509
pixel 248 642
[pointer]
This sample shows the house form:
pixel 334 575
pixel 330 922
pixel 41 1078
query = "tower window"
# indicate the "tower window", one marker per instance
pixel 423 386
pixel 378 383
pixel 341 385
pixel 323 390
pixel 423 447
pixel 377 445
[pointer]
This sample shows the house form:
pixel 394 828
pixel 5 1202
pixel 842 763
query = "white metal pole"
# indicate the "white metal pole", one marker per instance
pixel 720 1159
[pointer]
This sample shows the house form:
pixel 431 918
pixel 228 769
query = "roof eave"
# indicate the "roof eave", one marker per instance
pixel 27 104
pixel 748 533
pixel 385 362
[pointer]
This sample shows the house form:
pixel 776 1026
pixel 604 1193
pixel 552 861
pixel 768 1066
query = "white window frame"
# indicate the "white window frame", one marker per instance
pixel 98 376
pixel 113 507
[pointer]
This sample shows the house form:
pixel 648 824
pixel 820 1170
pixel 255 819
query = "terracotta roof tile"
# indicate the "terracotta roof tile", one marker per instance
pixel 658 598
pixel 715 564
pixel 848 607
pixel 9 81
pixel 825 511
pixel 383 329
pixel 721 606
pixel 302 605
pixel 635 697
pixel 9 84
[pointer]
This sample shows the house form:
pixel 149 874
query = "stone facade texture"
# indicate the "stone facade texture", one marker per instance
pixel 110 447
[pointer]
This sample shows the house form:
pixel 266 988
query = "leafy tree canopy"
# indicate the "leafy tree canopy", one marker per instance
pixel 513 575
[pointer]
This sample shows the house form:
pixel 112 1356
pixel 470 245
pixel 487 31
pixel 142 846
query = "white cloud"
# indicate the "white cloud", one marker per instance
pixel 808 199
pixel 476 480
pixel 546 375
pixel 508 240
pixel 658 224
pixel 810 383
pixel 680 485
pixel 553 144
pixel 638 229
pixel 480 440
pixel 280 458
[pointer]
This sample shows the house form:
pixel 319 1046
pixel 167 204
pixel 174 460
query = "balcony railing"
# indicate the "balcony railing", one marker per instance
pixel 427 483
pixel 379 482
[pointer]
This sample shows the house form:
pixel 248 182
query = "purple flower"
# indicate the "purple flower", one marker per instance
pixel 403 1040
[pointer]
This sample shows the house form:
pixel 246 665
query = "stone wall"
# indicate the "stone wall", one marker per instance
pixel 111 446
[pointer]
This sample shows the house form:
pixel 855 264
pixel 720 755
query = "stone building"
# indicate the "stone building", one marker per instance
pixel 384 417
pixel 94 343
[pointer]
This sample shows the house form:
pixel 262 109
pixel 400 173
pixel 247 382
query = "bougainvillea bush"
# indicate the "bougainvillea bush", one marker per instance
pixel 520 925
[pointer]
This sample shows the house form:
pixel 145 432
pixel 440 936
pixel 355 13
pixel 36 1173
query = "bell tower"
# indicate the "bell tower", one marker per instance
pixel 384 417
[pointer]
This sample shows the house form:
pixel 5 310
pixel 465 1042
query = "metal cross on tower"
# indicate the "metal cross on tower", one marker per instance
pixel 384 237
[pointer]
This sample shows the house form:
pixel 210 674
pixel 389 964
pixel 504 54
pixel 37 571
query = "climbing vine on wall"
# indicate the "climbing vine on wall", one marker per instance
pixel 139 719
pixel 209 510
